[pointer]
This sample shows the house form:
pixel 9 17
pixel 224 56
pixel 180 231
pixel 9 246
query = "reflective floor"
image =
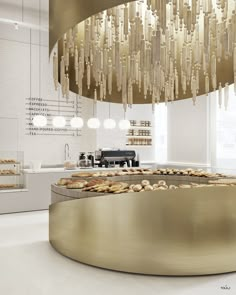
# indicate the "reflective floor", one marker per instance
pixel 29 266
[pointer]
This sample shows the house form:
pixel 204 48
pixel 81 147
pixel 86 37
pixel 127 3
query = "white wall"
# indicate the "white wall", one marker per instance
pixel 188 132
pixel 15 84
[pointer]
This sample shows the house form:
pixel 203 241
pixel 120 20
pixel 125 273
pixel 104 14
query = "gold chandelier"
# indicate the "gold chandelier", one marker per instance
pixel 147 51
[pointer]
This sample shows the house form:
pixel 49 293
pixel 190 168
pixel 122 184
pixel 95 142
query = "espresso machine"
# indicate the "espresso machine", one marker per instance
pixel 110 158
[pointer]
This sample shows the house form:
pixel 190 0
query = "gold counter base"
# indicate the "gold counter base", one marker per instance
pixel 175 232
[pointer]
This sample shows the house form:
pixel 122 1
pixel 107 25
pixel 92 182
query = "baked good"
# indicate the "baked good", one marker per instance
pixel 8 161
pixel 7 172
pixel 160 188
pixel 148 188
pixel 64 181
pixel 94 182
pixel 173 186
pixel 224 181
pixel 8 186
pixel 145 182
pixel 75 185
pixel 82 174
pixel 137 188
pixel 185 186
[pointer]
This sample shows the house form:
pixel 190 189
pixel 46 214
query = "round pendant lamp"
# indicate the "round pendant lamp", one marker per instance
pixel 39 121
pixel 77 122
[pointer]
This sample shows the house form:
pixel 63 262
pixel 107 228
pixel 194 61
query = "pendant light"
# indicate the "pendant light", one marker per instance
pixel 124 124
pixel 39 120
pixel 77 122
pixel 59 121
pixel 94 122
pixel 109 123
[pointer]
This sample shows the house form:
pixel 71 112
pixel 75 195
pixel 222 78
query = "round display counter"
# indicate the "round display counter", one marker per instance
pixel 183 231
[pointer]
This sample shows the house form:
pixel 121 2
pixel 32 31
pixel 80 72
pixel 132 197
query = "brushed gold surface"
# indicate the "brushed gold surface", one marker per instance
pixel 66 14
pixel 173 232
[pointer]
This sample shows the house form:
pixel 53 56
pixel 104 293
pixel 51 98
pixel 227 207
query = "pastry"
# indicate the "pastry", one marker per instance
pixel 160 188
pixel 94 181
pixel 224 181
pixel 75 185
pixel 82 174
pixel 145 182
pixel 137 188
pixel 8 185
pixel 155 185
pixel 185 186
pixel 148 188
pixel 173 186
pixel 64 181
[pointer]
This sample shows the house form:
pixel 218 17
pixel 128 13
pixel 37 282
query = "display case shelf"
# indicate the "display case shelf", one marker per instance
pixel 11 171
pixel 18 174
pixel 16 163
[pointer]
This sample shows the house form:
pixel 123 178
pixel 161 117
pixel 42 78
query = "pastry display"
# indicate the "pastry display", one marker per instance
pixel 8 161
pixel 7 172
pixel 141 171
pixel 101 181
pixel 4 186
pixel 224 181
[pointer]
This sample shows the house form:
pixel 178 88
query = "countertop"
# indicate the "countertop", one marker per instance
pixel 62 170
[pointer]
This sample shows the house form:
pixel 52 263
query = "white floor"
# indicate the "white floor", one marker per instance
pixel 29 266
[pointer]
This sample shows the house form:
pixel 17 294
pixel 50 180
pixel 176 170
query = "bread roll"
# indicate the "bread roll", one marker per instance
pixel 137 188
pixel 148 188
pixel 145 182
pixel 161 182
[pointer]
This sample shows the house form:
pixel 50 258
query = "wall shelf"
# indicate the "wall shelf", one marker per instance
pixel 139 134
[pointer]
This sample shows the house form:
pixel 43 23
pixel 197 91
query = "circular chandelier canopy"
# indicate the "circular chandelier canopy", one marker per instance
pixel 143 51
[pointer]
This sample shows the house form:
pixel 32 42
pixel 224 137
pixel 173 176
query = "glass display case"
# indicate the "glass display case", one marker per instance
pixel 11 170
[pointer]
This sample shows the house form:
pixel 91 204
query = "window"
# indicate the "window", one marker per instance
pixel 226 133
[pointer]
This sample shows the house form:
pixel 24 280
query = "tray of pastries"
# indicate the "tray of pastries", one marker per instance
pixel 141 171
pixel 8 161
pixel 100 185
pixel 7 186
pixel 107 186
pixel 8 172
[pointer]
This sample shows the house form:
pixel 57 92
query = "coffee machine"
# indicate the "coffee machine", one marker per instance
pixel 110 158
